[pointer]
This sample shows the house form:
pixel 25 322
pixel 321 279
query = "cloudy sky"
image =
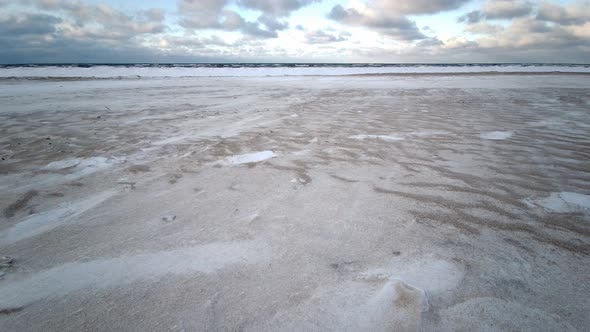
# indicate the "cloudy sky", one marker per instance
pixel 393 31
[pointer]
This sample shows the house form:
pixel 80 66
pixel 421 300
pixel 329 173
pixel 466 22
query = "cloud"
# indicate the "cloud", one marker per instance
pixel 574 14
pixel 498 9
pixel 154 14
pixel 324 37
pixel 200 14
pixel 483 28
pixel 429 42
pixel 272 24
pixel 538 40
pixel 471 17
pixel 277 8
pixel 103 22
pixel 63 50
pixel 553 27
pixel 390 17
pixel 507 9
pixel 87 31
pixel 73 31
pixel 418 6
pixel 27 24
pixel 396 26
pixel 213 14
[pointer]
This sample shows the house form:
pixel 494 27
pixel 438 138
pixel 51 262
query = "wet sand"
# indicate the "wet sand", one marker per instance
pixel 436 203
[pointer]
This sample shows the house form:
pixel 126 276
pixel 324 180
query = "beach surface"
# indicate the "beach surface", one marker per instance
pixel 345 203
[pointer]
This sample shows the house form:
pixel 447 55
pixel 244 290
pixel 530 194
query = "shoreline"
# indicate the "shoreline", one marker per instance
pixel 138 77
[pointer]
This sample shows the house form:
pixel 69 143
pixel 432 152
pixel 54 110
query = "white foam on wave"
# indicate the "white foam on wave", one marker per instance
pixel 496 135
pixel 102 273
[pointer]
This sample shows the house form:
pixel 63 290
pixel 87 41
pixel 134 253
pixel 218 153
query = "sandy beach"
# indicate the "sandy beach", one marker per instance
pixel 345 203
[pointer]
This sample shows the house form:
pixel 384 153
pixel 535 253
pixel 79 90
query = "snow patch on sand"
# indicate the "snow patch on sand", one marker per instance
pixel 378 305
pixel 380 137
pixel 563 202
pixel 431 275
pixel 48 220
pixel 103 273
pixel 428 133
pixel 419 134
pixel 392 298
pixel 249 158
pixel 83 166
pixel 62 164
pixel 496 135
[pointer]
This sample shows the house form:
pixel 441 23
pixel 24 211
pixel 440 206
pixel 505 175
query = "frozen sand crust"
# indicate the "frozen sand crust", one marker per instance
pixel 102 273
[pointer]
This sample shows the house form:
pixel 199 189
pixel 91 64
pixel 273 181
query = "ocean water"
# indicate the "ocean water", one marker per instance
pixel 270 69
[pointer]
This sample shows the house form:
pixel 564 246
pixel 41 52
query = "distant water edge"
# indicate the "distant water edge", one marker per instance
pixel 273 69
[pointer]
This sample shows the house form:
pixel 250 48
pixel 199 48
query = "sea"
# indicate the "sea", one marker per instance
pixel 152 70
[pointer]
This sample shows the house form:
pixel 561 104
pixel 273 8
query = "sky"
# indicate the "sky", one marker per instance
pixel 334 31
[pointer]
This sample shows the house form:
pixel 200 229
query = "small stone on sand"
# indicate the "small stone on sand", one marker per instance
pixel 6 261
pixel 169 218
